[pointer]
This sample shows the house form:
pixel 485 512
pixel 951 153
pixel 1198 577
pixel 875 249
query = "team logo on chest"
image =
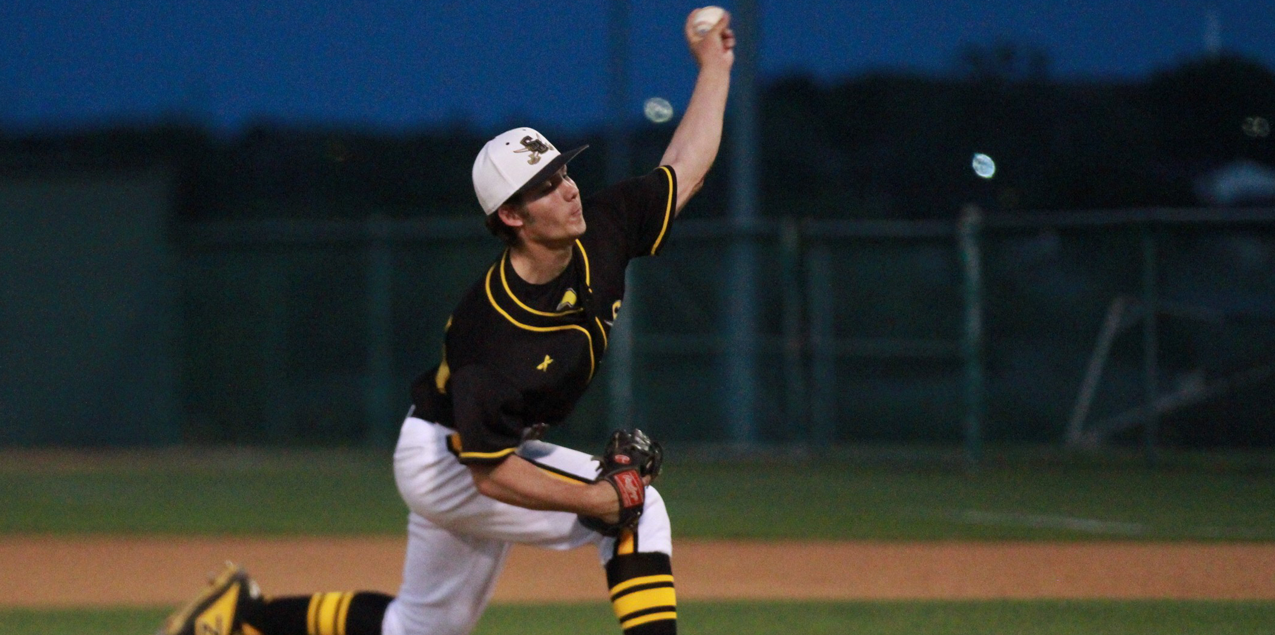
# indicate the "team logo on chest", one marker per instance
pixel 569 300
pixel 544 366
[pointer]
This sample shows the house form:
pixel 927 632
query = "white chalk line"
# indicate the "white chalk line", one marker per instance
pixel 1094 526
pixel 1048 521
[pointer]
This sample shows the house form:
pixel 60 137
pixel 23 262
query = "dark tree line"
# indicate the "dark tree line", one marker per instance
pixel 891 145
pixel 884 145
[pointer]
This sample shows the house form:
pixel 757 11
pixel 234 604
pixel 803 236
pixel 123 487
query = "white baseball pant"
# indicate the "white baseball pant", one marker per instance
pixel 458 539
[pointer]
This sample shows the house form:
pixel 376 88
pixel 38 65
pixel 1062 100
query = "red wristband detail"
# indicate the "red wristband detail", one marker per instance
pixel 630 487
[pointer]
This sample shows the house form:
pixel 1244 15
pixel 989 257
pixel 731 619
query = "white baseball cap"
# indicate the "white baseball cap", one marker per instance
pixel 515 161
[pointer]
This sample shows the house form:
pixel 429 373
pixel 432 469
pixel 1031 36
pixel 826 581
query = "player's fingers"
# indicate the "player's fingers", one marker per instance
pixel 719 30
pixel 689 27
pixel 723 33
pixel 728 39
pixel 723 24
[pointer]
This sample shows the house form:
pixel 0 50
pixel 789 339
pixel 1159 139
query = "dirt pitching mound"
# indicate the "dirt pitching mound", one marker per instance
pixel 150 571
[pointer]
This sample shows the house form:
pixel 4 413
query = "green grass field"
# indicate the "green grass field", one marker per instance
pixel 806 618
pixel 1018 496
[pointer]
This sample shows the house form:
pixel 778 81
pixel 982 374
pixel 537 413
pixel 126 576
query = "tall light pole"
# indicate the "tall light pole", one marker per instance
pixel 742 303
pixel 618 164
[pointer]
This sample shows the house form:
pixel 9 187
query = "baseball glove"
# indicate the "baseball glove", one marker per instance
pixel 629 456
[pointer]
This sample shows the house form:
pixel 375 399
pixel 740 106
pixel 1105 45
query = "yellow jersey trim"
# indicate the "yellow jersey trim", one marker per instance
pixel 668 210
pixel 541 329
pixel 505 282
pixel 585 255
pixel 453 445
pixel 606 341
pixel 487 455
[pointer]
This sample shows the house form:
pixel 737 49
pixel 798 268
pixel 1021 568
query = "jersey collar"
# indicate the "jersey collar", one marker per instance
pixel 502 292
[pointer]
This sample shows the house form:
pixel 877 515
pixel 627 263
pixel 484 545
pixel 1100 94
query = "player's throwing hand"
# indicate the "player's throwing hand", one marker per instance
pixel 716 48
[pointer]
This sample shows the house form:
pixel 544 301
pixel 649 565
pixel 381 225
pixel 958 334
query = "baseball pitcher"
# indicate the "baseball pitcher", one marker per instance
pixel 521 347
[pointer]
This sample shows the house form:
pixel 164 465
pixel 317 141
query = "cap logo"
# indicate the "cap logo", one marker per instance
pixel 535 146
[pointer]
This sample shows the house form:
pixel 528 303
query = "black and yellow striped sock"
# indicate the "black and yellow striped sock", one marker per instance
pixel 642 593
pixel 348 613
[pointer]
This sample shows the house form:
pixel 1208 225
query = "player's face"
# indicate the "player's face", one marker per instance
pixel 553 214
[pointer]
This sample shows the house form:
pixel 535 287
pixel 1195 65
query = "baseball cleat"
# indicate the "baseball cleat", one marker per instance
pixel 215 611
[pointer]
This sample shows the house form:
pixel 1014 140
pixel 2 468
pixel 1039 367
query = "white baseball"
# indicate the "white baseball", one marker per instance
pixel 705 19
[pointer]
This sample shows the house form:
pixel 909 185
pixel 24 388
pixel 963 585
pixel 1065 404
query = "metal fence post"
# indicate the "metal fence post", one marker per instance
pixel 741 341
pixel 823 352
pixel 380 345
pixel 795 396
pixel 742 331
pixel 1150 339
pixel 275 352
pixel 969 231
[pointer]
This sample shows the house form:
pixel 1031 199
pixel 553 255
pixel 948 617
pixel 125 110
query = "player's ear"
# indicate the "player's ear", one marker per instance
pixel 511 214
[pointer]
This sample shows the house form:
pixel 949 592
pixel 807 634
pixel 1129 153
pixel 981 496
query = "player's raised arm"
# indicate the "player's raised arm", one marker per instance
pixel 694 146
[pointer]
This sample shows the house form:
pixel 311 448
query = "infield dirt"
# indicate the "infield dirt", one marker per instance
pixel 51 572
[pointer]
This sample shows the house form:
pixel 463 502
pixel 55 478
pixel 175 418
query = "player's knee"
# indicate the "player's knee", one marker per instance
pixel 407 617
pixel 458 621
pixel 653 501
pixel 655 523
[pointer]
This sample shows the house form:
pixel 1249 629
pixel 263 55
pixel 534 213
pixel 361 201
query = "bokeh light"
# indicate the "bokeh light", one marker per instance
pixel 983 165
pixel 657 109
pixel 1257 127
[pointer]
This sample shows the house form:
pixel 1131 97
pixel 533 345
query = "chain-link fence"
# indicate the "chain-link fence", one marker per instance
pixel 892 332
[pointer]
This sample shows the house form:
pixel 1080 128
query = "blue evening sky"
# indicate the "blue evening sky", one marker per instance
pixel 400 65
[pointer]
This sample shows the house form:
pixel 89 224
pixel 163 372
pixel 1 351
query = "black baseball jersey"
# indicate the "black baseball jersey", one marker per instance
pixel 518 354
